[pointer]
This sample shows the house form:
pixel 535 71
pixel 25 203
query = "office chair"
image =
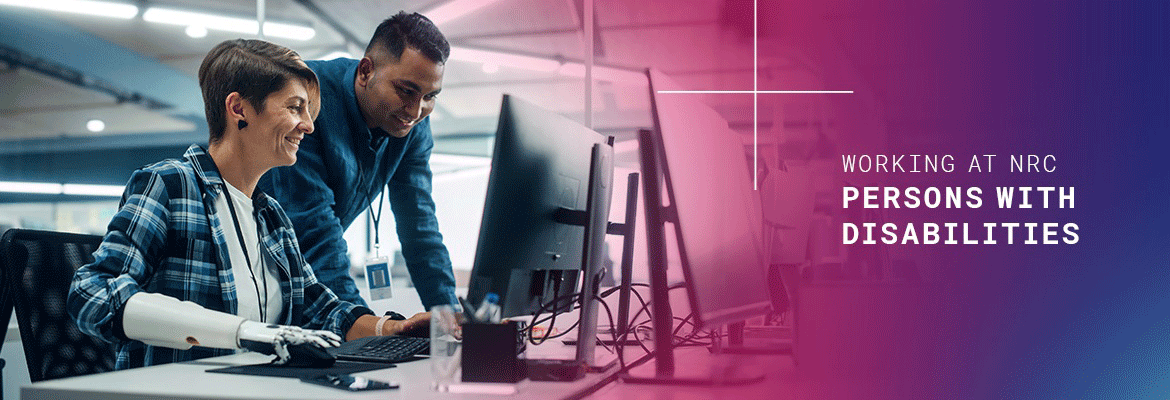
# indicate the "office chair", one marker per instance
pixel 38 267
pixel 5 315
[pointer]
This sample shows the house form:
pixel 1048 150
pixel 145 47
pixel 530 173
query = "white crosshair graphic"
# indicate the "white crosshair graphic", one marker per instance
pixel 756 94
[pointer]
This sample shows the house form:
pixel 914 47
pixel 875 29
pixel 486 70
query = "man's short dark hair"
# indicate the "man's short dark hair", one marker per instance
pixel 414 30
pixel 255 69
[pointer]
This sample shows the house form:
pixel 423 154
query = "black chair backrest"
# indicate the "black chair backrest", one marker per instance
pixel 5 301
pixel 38 268
pixel 5 315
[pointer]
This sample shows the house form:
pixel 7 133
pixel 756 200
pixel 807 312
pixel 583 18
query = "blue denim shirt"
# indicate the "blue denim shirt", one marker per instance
pixel 341 168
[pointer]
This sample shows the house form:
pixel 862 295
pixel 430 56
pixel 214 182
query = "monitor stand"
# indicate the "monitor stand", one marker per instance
pixel 605 361
pixel 586 350
pixel 698 368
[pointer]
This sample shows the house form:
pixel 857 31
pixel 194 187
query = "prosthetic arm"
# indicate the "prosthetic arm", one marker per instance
pixel 160 320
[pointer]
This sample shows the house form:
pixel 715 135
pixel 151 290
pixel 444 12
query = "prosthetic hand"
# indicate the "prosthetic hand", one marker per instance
pixel 160 320
pixel 275 339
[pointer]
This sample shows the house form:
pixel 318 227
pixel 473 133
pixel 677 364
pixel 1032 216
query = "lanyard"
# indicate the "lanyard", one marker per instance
pixel 375 217
pixel 260 300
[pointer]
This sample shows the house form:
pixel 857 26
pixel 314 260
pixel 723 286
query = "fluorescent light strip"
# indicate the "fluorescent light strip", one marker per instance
pixel 73 189
pixel 229 24
pixel 87 7
pixel 511 60
pixel 78 189
pixel 30 187
pixel 455 9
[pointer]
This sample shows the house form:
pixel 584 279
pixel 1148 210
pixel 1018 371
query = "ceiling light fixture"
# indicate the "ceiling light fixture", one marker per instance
pixel 78 189
pixel 30 187
pixel 196 31
pixel 455 9
pixel 95 125
pixel 87 7
pixel 500 59
pixel 73 189
pixel 229 24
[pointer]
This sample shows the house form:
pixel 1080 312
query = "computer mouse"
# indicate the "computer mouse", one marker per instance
pixel 309 355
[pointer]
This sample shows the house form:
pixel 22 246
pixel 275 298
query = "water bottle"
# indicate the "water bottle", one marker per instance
pixel 489 310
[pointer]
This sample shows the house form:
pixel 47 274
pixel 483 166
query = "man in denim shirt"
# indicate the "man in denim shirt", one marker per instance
pixel 373 133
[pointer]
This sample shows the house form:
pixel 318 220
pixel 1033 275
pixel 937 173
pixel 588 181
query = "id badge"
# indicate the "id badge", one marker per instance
pixel 378 278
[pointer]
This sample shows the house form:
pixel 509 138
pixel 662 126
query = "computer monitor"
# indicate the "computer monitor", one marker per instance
pixel 697 162
pixel 545 217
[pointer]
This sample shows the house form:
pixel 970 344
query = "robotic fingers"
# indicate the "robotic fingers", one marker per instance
pixel 277 339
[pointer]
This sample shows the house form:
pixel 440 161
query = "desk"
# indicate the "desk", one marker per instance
pixel 780 380
pixel 189 380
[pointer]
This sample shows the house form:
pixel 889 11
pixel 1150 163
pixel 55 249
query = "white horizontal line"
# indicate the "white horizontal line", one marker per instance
pixel 58 188
pixel 760 91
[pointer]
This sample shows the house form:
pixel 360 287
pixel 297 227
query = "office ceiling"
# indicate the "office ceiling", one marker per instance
pixel 42 113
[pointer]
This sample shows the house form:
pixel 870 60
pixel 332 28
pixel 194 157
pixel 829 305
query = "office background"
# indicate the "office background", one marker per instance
pixel 87 98
pixel 1084 81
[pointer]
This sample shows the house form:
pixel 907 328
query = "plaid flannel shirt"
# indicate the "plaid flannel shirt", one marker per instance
pixel 166 238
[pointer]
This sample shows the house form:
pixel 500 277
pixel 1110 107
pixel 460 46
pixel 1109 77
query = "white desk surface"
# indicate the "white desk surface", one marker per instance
pixel 190 381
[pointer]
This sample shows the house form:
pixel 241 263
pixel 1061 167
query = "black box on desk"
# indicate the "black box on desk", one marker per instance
pixel 491 353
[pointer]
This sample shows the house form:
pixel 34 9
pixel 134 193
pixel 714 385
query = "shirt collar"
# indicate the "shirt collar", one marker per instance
pixel 204 166
pixel 207 172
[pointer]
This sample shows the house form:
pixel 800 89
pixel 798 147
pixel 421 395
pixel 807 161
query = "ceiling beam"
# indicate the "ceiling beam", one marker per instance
pixel 349 36
pixel 98 61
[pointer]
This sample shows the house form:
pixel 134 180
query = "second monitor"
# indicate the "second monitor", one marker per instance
pixel 544 218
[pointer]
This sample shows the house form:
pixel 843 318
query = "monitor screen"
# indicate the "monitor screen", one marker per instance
pixel 532 240
pixel 717 219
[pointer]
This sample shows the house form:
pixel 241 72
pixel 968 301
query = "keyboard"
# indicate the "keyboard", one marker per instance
pixel 383 349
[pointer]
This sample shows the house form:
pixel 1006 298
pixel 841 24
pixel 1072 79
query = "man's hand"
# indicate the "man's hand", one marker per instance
pixel 417 325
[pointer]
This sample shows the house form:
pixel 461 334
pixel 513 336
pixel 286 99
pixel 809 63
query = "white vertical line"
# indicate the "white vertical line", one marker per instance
pixel 589 63
pixel 260 17
pixel 755 96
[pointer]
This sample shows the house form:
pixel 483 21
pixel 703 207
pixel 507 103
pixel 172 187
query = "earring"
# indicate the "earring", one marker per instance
pixel 242 124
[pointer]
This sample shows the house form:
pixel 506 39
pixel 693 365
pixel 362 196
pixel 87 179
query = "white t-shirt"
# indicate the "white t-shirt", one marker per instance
pixel 263 270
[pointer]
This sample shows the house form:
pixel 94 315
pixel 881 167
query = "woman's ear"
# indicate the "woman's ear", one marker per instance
pixel 236 110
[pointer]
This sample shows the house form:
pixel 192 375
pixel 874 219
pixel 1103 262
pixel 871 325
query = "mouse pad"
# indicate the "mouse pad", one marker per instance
pixel 340 367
